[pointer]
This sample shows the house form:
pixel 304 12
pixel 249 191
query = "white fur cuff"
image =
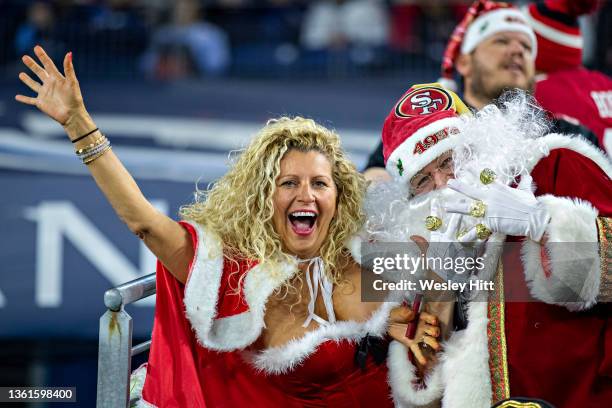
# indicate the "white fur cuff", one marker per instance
pixel 572 278
pixel 402 377
pixel 460 379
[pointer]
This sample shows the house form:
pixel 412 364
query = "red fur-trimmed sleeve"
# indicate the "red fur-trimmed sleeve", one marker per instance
pixel 576 191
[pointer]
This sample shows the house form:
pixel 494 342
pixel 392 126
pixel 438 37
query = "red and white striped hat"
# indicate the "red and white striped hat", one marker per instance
pixel 555 23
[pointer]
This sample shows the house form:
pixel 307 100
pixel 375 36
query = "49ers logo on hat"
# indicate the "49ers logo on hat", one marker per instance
pixel 423 101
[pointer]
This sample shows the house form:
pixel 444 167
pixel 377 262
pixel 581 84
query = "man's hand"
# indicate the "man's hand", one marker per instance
pixel 510 211
pixel 444 244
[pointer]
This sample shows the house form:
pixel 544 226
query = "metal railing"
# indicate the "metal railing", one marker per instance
pixel 115 342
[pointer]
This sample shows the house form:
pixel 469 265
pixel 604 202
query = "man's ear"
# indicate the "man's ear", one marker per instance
pixel 464 64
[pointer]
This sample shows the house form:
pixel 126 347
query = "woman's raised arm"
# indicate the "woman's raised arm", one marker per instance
pixel 59 96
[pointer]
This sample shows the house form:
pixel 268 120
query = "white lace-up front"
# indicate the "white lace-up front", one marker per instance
pixel 315 278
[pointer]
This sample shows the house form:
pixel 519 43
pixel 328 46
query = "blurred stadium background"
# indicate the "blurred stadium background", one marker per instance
pixel 176 85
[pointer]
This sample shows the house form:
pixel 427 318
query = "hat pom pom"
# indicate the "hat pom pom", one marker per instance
pixel 448 83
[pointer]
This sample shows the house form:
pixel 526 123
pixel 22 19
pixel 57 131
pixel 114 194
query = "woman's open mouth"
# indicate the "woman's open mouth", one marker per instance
pixel 302 222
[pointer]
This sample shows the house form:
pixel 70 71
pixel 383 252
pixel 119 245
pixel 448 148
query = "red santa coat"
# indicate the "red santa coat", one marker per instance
pixel 572 368
pixel 200 354
pixel 561 353
pixel 579 94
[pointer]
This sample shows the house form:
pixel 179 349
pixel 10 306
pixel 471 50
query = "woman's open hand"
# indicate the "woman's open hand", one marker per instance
pixel 57 95
pixel 427 333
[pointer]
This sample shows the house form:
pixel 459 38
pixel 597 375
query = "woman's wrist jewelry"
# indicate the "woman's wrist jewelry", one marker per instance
pixel 94 150
pixel 91 146
pixel 85 135
pixel 97 155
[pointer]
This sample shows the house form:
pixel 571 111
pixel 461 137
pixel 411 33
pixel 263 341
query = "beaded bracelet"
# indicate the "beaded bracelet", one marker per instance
pixel 91 146
pixel 97 155
pixel 94 150
pixel 91 151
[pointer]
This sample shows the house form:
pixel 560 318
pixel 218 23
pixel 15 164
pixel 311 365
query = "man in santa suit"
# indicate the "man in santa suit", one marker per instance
pixel 492 49
pixel 549 333
pixel 563 86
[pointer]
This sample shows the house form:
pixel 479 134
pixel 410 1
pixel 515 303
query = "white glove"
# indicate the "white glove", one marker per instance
pixel 443 245
pixel 510 211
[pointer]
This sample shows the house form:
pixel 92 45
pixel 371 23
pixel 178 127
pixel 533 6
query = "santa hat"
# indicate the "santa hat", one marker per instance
pixel 419 128
pixel 555 23
pixel 483 19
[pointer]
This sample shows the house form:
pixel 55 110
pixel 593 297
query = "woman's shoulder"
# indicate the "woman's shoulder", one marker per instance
pixel 349 296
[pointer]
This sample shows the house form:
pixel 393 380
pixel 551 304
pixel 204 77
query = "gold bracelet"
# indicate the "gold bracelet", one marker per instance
pixel 93 151
pixel 92 146
pixel 97 156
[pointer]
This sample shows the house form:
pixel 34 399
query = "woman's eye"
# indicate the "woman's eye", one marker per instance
pixel 288 183
pixel 320 184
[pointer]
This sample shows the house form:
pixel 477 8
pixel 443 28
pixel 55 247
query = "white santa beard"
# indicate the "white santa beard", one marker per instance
pixel 504 140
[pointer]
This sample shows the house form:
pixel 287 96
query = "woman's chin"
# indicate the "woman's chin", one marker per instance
pixel 303 250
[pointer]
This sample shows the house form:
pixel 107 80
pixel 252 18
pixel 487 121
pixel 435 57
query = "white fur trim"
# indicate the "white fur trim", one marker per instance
pixel 465 362
pixel 460 379
pixel 448 83
pixel 574 267
pixel 137 380
pixel 278 360
pixel 402 375
pixel 144 404
pixel 202 291
pixel 578 144
pixel 493 22
pixel 354 246
pixel 411 162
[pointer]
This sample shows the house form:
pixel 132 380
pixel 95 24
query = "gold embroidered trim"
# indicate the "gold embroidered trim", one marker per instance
pixel 496 333
pixel 518 404
pixel 604 226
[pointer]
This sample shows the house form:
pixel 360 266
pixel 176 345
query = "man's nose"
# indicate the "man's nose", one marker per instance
pixel 517 48
pixel 440 179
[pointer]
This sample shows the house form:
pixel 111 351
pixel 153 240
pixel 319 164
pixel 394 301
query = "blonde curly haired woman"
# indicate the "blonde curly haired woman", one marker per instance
pixel 258 299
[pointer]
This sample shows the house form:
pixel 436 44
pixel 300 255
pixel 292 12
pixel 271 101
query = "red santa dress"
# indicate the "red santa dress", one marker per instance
pixel 200 355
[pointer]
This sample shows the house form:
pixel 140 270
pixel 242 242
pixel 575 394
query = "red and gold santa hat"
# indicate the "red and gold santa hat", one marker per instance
pixel 555 23
pixel 483 19
pixel 419 128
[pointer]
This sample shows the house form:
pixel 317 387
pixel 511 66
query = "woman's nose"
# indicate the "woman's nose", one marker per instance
pixel 305 193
